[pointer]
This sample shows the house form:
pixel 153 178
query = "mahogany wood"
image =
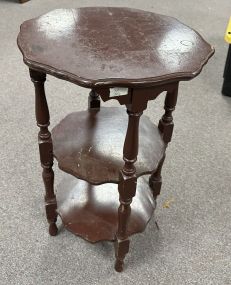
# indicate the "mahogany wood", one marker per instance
pixel 127 186
pixel 93 100
pixel 165 126
pixel 89 145
pixel 155 180
pixel 109 46
pixel 102 48
pixel 45 148
pixel 166 123
pixel 92 211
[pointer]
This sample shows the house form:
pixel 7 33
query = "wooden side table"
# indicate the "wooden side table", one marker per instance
pixel 121 54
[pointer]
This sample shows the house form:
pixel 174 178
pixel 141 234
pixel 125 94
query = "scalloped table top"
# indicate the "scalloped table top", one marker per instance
pixel 105 46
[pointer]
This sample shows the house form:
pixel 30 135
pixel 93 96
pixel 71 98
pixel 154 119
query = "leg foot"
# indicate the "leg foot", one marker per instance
pixel 53 230
pixel 121 249
pixel 93 100
pixel 50 200
pixel 119 265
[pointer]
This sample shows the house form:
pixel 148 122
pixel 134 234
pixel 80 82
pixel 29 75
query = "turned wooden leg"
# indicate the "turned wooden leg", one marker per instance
pixel 165 126
pixel 45 148
pixel 93 100
pixel 155 180
pixel 127 188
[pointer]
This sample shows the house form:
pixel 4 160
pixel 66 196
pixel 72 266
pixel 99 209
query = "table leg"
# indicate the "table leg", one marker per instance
pixel 155 180
pixel 45 148
pixel 165 126
pixel 93 100
pixel 127 188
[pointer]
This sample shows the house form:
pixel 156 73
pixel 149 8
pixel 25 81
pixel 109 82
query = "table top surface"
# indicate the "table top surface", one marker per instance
pixel 105 46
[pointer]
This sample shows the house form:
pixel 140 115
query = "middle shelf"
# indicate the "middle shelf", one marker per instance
pixel 89 144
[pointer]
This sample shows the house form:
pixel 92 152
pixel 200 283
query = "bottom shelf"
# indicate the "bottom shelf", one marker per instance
pixel 92 211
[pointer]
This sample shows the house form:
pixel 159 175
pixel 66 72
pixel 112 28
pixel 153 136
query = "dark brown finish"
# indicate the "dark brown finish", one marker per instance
pixel 155 180
pixel 45 148
pixel 166 123
pixel 104 48
pixel 93 100
pixel 127 184
pixel 92 211
pixel 23 1
pixel 89 145
pixel 98 46
pixel 165 126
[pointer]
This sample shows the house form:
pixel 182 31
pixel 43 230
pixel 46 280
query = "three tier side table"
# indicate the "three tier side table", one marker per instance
pixel 121 54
